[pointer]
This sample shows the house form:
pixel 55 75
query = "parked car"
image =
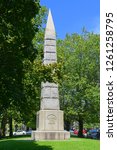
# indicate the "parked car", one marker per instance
pixel 93 133
pixel 19 132
pixel 29 132
pixel 75 132
pixel 71 132
pixel 84 133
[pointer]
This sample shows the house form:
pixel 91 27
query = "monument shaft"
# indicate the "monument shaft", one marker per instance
pixel 49 123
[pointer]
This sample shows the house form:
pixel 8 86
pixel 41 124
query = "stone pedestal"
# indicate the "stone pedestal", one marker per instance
pixel 50 135
pixel 50 126
pixel 50 120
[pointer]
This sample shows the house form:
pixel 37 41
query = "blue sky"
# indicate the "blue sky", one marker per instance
pixel 70 16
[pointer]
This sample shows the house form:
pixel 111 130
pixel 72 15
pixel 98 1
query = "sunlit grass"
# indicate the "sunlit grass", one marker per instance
pixel 25 143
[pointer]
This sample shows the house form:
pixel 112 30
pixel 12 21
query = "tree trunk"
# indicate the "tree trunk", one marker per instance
pixel 3 126
pixel 10 127
pixel 67 125
pixel 80 133
pixel 0 133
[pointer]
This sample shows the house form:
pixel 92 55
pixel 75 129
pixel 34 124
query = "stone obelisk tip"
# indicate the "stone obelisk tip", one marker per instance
pixel 49 10
pixel 50 29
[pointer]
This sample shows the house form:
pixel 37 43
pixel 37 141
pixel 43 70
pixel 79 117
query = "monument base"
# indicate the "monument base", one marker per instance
pixel 49 120
pixel 50 135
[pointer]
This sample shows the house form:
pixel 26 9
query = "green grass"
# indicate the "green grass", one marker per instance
pixel 27 144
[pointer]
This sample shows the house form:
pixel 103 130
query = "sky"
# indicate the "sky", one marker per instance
pixel 70 16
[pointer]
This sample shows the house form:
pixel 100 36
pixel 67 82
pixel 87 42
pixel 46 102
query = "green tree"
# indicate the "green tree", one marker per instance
pixel 79 87
pixel 17 31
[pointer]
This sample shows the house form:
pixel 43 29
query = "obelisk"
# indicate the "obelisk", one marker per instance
pixel 50 122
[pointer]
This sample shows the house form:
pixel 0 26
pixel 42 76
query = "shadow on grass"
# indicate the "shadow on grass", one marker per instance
pixel 15 136
pixel 22 145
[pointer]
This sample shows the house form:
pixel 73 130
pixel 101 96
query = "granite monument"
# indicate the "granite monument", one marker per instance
pixel 50 121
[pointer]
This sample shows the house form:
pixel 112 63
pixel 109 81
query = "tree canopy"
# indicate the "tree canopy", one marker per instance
pixel 18 28
pixel 79 90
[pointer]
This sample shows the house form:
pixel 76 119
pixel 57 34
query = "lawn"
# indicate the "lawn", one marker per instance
pixel 27 144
